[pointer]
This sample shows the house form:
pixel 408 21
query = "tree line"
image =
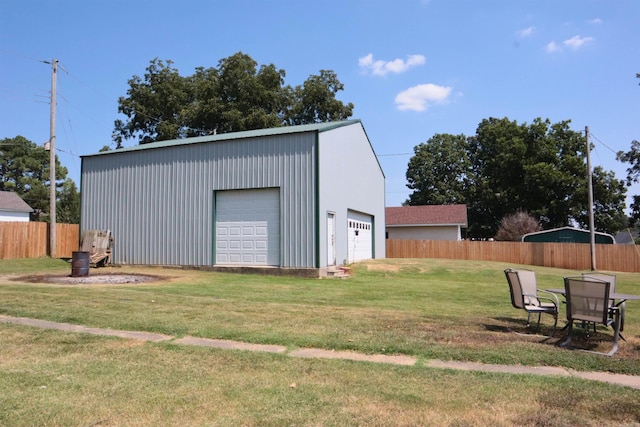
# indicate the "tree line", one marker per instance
pixel 509 167
pixel 237 95
pixel 24 170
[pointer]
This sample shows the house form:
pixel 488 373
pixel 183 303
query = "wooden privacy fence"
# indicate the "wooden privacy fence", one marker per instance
pixel 31 239
pixel 572 256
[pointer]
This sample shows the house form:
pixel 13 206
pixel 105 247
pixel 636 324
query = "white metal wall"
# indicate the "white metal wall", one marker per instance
pixel 350 179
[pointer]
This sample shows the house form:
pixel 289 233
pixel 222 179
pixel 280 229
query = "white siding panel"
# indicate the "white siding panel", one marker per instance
pixel 14 216
pixel 350 179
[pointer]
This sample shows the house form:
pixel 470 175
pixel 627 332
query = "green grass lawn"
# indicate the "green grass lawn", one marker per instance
pixel 431 309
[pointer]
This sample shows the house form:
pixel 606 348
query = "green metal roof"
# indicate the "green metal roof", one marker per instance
pixel 283 130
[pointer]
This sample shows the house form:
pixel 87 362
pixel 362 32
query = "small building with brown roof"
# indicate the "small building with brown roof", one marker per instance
pixel 13 208
pixel 427 222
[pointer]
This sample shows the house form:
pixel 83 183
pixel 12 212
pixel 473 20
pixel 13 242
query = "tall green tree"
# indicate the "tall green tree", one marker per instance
pixel 251 98
pixel 204 111
pixel 315 100
pixel 68 203
pixel 509 167
pixel 24 169
pixel 236 95
pixel 538 168
pixel 609 196
pixel 633 176
pixel 439 172
pixel 153 105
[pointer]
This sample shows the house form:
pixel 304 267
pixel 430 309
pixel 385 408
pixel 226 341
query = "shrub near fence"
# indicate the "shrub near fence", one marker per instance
pixel 573 256
pixel 31 239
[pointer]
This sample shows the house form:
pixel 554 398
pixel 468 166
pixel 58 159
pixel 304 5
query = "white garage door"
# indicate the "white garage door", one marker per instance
pixel 248 227
pixel 360 229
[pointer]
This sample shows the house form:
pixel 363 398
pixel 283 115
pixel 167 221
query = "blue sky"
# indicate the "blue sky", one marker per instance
pixel 412 68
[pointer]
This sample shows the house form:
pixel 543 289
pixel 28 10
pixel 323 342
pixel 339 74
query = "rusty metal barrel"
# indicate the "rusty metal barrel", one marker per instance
pixel 79 264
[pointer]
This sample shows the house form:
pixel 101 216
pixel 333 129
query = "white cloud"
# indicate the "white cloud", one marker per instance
pixel 573 43
pixel 381 68
pixel 595 21
pixel 577 42
pixel 553 47
pixel 418 98
pixel 526 32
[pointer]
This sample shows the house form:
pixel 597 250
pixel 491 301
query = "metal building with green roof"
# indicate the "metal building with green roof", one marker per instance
pixel 296 197
pixel 568 235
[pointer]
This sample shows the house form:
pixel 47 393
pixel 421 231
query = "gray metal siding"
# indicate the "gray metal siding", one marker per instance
pixel 159 202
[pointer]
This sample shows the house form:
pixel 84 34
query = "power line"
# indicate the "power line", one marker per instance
pixel 73 76
pixel 140 113
pixel 12 94
pixel 67 152
pixel 69 136
pixel 395 154
pixel 18 55
pixel 605 145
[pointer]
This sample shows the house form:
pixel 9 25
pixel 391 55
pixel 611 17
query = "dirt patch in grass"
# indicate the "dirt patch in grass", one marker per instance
pixel 384 267
pixel 92 279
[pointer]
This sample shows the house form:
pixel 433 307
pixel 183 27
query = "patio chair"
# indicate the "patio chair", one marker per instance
pixel 526 296
pixel 588 302
pixel 604 277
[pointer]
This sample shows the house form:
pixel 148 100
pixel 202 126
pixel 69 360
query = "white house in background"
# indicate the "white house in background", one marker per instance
pixel 13 208
pixel 305 198
pixel 427 222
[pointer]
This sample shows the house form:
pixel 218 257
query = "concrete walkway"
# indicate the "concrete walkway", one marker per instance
pixel 619 379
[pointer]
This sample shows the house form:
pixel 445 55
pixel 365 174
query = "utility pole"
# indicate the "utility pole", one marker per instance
pixel 592 233
pixel 52 161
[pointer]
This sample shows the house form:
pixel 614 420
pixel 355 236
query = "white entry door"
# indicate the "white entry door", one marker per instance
pixel 248 227
pixel 331 238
